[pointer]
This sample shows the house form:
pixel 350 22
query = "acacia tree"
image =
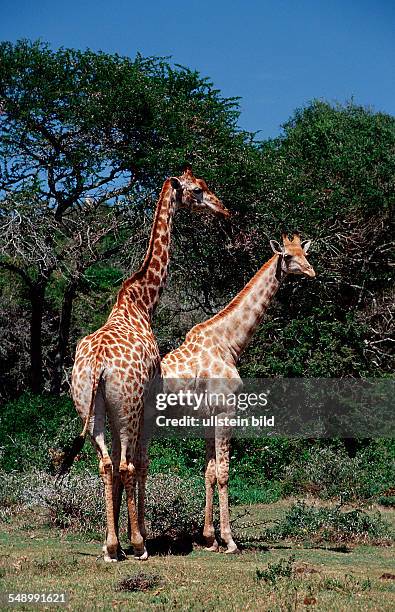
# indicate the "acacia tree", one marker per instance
pixel 331 175
pixel 82 126
pixel 36 247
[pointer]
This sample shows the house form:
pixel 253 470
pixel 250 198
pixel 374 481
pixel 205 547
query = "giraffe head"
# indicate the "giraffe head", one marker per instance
pixel 193 193
pixel 293 255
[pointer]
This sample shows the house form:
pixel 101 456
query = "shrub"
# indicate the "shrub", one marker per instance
pixel 174 506
pixel 33 428
pixel 329 472
pixel 24 489
pixel 330 524
pixel 282 569
pixel 387 501
pixel 77 504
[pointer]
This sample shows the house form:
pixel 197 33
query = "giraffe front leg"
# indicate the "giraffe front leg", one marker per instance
pixel 210 478
pixel 222 443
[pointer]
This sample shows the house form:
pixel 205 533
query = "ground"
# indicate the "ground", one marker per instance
pixel 37 558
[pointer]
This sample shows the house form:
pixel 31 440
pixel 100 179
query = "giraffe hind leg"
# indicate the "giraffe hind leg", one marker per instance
pixel 222 444
pixel 128 477
pixel 128 468
pixel 97 431
pixel 211 479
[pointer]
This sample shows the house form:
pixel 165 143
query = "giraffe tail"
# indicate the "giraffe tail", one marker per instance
pixel 77 444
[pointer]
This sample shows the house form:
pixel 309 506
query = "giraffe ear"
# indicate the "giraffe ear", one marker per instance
pixel 276 248
pixel 305 245
pixel 175 183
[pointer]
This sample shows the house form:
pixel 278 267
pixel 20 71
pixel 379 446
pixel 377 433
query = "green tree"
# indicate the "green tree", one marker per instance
pixel 82 126
pixel 331 175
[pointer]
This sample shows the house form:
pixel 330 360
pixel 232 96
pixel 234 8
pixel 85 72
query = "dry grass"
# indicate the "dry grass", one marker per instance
pixel 326 578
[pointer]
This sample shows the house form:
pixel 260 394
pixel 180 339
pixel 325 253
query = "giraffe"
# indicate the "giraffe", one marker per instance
pixel 207 360
pixel 114 365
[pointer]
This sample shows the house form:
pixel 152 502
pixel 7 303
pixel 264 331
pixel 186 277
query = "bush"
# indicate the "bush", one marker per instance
pixel 34 429
pixel 24 489
pixel 330 524
pixel 329 472
pixel 387 501
pixel 174 506
pixel 282 569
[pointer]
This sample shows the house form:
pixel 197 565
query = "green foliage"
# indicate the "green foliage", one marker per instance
pixel 34 428
pixel 175 506
pixel 330 344
pixel 112 127
pixel 77 125
pixel 282 569
pixel 349 584
pixel 77 502
pixel 331 176
pixel 330 161
pixel 181 457
pixel 388 501
pixel 304 522
pixel 114 110
pixel 80 130
pixel 244 491
pixel 329 472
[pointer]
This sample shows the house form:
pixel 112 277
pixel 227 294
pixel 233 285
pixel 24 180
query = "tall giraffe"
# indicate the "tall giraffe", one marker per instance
pixel 211 351
pixel 114 365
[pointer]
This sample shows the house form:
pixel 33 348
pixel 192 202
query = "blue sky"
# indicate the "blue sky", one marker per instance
pixel 277 55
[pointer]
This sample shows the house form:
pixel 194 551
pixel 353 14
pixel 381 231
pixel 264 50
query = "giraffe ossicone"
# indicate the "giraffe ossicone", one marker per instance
pixel 211 351
pixel 117 362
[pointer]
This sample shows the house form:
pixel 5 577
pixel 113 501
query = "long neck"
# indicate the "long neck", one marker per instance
pixel 145 286
pixel 237 322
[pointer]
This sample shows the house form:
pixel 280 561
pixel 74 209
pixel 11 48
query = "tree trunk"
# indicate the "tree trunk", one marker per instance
pixel 36 294
pixel 63 336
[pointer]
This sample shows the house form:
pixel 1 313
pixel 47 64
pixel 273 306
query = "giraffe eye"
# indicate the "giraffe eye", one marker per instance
pixel 198 191
pixel 287 256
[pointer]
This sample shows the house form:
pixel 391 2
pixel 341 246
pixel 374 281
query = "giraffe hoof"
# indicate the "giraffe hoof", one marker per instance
pixel 233 550
pixel 109 559
pixel 143 556
pixel 213 548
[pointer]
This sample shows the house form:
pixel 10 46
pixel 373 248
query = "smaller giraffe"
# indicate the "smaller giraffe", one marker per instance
pixel 207 361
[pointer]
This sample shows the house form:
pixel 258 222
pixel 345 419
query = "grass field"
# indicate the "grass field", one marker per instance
pixel 37 558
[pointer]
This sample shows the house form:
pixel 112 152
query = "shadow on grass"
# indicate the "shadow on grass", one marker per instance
pixel 165 545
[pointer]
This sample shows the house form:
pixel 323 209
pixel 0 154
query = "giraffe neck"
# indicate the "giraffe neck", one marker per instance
pixel 144 287
pixel 237 322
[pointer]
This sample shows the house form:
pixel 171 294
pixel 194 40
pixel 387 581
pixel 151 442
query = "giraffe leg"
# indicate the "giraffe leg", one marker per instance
pixel 128 476
pixel 128 471
pixel 97 431
pixel 222 443
pixel 110 547
pixel 125 406
pixel 117 487
pixel 210 478
pixel 142 470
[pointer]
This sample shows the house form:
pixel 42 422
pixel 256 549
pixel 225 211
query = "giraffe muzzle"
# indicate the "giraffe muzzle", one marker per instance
pixel 309 272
